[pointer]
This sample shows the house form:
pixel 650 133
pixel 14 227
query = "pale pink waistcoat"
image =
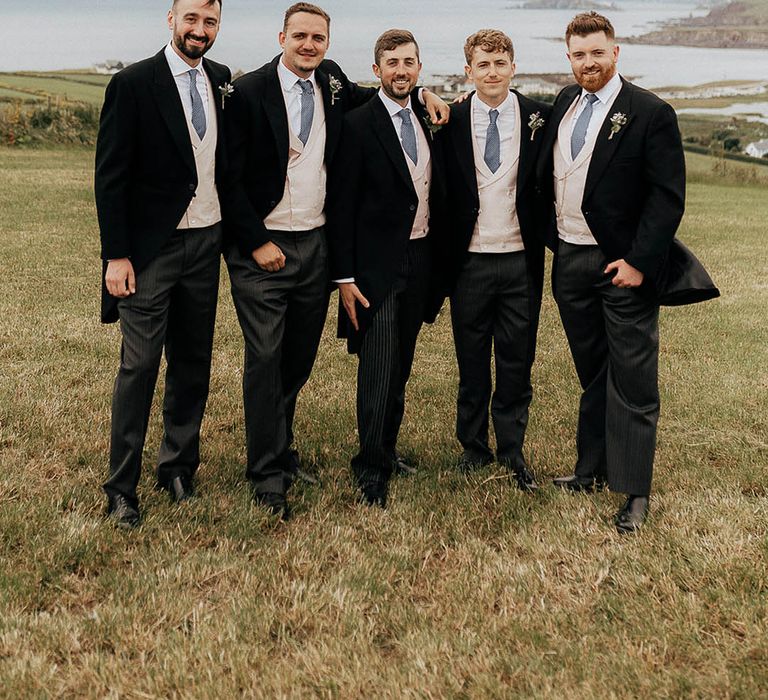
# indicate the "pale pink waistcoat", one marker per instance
pixel 497 229
pixel 303 202
pixel 204 208
pixel 421 174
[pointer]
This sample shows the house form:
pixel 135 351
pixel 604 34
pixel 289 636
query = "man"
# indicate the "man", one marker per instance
pixel 387 181
pixel 158 160
pixel 283 127
pixel 491 147
pixel 618 191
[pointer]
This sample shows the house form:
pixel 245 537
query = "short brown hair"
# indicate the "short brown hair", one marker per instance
pixel 589 23
pixel 490 40
pixel 391 39
pixel 306 7
pixel 209 2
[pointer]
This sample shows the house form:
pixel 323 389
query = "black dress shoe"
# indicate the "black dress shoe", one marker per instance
pixel 521 475
pixel 580 484
pixel 402 468
pixel 374 494
pixel 122 513
pixel 632 514
pixel 468 462
pixel 180 488
pixel 275 503
pixel 295 465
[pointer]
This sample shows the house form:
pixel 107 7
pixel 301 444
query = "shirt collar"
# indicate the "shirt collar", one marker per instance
pixel 605 93
pixel 177 64
pixel 393 107
pixel 478 104
pixel 288 78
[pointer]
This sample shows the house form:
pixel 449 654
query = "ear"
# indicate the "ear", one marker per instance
pixel 468 72
pixel 170 19
pixel 615 52
pixel 514 70
pixel 376 71
pixel 281 39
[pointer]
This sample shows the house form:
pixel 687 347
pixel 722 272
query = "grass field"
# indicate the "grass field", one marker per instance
pixel 68 86
pixel 463 588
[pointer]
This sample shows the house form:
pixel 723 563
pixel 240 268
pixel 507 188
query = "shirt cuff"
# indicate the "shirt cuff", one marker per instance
pixel 345 280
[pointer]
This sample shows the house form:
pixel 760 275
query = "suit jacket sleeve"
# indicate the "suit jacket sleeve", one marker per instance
pixel 242 220
pixel 116 144
pixel 664 204
pixel 343 194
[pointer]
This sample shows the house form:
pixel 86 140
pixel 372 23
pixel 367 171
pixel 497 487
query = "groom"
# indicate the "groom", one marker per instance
pixel 613 173
pixel 158 159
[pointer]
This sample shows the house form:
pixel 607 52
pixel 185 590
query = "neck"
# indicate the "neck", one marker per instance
pixel 492 102
pixel 402 101
pixel 191 62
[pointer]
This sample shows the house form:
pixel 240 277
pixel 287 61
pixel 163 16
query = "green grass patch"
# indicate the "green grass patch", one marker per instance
pixel 463 588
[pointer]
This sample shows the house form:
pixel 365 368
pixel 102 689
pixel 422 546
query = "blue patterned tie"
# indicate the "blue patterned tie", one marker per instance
pixel 493 142
pixel 579 135
pixel 408 135
pixel 307 109
pixel 198 113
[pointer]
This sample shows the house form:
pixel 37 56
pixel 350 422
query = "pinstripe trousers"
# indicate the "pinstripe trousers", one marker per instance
pixel 613 334
pixel 174 308
pixel 385 361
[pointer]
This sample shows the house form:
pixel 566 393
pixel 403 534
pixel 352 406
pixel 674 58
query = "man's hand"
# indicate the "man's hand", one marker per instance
pixel 119 278
pixel 463 96
pixel 349 295
pixel 439 112
pixel 269 257
pixel 626 276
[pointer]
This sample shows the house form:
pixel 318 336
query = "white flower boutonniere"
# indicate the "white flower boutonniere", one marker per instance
pixel 335 85
pixel 225 91
pixel 617 121
pixel 535 123
pixel 431 126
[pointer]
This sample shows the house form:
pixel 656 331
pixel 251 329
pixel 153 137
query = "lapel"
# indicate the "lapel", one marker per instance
pixel 169 104
pixel 216 82
pixel 562 104
pixel 605 147
pixel 527 162
pixel 461 127
pixel 274 108
pixel 333 112
pixel 386 134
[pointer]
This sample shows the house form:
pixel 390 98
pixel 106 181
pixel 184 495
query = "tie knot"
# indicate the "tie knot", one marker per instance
pixel 591 98
pixel 405 115
pixel 494 115
pixel 306 86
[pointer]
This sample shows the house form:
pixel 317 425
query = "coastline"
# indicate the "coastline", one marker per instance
pixel 737 25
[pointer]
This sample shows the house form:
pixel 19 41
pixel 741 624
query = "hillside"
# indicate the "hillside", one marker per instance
pixel 742 24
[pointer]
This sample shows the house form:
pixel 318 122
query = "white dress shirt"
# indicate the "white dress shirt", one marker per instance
pixel 605 96
pixel 289 81
pixel 180 71
pixel 506 121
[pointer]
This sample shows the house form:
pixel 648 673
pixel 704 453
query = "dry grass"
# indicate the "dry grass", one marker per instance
pixel 463 588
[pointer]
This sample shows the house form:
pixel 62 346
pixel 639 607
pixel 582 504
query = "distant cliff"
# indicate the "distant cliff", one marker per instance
pixel 737 25
pixel 568 5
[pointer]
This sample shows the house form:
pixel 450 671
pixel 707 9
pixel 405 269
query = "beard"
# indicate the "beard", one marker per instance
pixel 187 49
pixel 396 91
pixel 592 82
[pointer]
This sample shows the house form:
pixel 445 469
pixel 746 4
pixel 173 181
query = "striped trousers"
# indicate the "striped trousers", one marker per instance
pixel 385 360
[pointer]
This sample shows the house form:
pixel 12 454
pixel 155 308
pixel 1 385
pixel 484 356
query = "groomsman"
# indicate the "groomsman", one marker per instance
pixel 491 147
pixel 159 158
pixel 283 125
pixel 387 182
pixel 613 168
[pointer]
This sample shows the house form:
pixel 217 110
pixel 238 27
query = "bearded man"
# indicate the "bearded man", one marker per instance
pixel 159 157
pixel 612 174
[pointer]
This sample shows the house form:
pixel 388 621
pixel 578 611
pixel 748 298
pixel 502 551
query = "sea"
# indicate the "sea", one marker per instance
pixel 69 34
